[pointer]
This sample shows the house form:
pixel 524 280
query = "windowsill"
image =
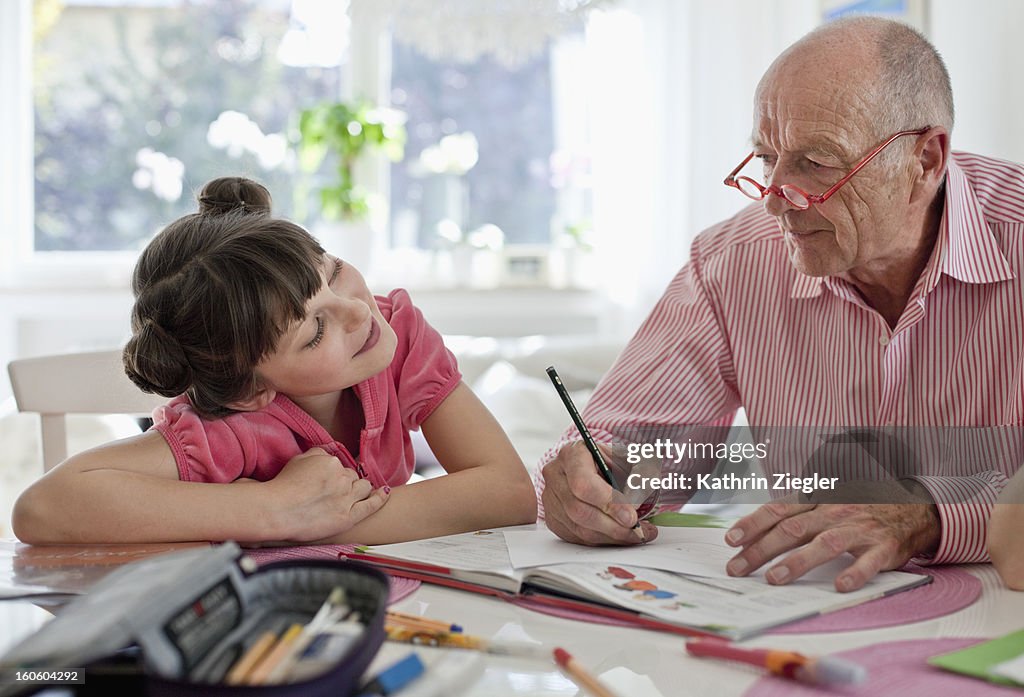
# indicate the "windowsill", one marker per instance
pixel 111 271
pixel 69 271
pixel 84 287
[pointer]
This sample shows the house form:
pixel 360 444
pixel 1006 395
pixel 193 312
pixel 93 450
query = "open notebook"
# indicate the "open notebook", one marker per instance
pixel 642 585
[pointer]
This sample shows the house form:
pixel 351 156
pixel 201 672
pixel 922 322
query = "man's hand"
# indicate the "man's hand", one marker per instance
pixel 580 507
pixel 314 497
pixel 881 536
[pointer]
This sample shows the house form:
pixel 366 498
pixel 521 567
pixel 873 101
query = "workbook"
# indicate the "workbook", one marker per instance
pixel 693 596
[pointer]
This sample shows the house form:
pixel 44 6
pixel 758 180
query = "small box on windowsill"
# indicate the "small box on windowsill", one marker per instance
pixel 526 266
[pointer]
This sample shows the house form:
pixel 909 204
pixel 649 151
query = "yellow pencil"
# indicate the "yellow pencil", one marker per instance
pixel 239 671
pixel 464 641
pixel 261 671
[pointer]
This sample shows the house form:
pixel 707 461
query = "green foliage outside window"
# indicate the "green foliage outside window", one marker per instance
pixel 346 132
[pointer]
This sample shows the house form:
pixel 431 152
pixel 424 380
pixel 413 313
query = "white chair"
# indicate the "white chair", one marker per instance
pixel 74 383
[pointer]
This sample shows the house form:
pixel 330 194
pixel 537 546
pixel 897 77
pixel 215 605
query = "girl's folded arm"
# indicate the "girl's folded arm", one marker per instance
pixel 129 491
pixel 486 485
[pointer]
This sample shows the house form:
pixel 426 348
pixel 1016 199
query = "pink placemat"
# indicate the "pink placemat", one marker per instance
pixel 399 587
pixel 894 668
pixel 951 589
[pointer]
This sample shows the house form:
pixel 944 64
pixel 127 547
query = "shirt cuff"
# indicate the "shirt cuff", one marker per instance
pixel 569 436
pixel 964 505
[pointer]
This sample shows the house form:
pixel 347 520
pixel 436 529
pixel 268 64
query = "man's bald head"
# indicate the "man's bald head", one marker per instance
pixel 890 65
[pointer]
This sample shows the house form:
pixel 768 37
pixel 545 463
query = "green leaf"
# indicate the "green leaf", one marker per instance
pixel 311 155
pixel 347 131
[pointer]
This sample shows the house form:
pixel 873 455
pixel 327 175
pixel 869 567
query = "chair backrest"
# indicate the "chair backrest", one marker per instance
pixel 74 383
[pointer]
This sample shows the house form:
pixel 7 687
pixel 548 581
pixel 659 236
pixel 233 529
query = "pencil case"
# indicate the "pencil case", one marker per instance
pixel 176 624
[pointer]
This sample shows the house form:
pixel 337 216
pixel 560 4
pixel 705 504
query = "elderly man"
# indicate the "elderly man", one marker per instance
pixel 877 285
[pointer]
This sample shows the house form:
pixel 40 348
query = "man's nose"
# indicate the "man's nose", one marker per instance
pixel 775 203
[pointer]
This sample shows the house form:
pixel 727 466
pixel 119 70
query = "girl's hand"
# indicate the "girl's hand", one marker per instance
pixel 314 497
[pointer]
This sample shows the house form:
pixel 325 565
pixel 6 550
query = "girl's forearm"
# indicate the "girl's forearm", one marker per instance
pixel 473 499
pixel 115 506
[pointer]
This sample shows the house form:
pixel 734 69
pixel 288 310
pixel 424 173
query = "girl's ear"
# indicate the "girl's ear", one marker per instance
pixel 262 397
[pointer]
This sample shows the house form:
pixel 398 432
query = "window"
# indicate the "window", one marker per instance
pixel 459 166
pixel 496 156
pixel 138 102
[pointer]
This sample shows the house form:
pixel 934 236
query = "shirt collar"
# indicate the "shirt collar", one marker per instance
pixel 965 248
pixel 971 253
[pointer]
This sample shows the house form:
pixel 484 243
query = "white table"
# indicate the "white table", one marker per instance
pixel 634 662
pixel 654 664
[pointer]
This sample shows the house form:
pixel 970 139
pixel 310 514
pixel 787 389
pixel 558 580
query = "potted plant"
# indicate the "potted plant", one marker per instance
pixel 347 132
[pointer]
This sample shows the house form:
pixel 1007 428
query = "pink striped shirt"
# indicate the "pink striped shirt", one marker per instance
pixel 739 327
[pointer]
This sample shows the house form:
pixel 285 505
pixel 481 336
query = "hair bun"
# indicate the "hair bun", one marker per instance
pixel 156 362
pixel 234 194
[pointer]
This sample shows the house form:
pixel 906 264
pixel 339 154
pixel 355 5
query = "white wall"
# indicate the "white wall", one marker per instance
pixel 691 108
pixel 706 58
pixel 981 44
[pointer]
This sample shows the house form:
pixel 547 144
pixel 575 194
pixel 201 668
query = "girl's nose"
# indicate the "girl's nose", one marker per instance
pixel 353 313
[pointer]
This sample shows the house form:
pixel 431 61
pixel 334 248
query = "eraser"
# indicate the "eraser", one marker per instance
pixel 397 675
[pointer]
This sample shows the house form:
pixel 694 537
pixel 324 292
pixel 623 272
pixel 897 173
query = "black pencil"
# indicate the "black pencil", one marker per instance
pixel 588 440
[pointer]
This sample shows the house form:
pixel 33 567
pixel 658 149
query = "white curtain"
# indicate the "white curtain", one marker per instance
pixel 671 89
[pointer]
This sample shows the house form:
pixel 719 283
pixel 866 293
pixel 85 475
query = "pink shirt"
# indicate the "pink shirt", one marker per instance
pixel 258 444
pixel 740 327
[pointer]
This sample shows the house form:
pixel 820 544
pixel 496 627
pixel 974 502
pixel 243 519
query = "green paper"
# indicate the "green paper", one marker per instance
pixel 672 519
pixel 977 660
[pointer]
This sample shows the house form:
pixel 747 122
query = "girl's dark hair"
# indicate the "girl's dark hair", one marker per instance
pixel 214 291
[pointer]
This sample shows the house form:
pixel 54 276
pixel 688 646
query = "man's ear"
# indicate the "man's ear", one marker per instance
pixel 261 398
pixel 932 155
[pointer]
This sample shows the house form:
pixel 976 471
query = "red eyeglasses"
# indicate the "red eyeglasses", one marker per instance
pixel 799 198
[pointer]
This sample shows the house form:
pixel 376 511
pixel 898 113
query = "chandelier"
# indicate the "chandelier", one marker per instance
pixel 510 31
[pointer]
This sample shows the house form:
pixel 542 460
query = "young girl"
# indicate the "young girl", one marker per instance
pixel 294 390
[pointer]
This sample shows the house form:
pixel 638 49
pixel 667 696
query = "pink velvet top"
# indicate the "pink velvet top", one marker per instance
pixel 258 444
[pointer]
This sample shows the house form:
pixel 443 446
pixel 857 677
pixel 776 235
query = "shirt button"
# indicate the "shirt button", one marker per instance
pixel 883 341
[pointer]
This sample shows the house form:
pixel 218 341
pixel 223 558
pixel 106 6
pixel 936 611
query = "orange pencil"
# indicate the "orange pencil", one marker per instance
pixel 580 675
pixel 261 671
pixel 259 648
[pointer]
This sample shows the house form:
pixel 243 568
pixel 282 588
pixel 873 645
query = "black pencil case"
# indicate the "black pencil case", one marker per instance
pixel 178 622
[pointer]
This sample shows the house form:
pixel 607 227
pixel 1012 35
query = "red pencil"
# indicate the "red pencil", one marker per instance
pixel 580 675
pixel 824 670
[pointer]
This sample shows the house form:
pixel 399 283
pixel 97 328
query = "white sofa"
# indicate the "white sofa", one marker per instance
pixel 508 376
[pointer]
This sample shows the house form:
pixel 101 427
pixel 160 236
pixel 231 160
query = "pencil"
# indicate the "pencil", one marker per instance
pixel 416 622
pixel 580 675
pixel 332 610
pixel 588 440
pixel 824 670
pixel 463 641
pixel 261 671
pixel 239 671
